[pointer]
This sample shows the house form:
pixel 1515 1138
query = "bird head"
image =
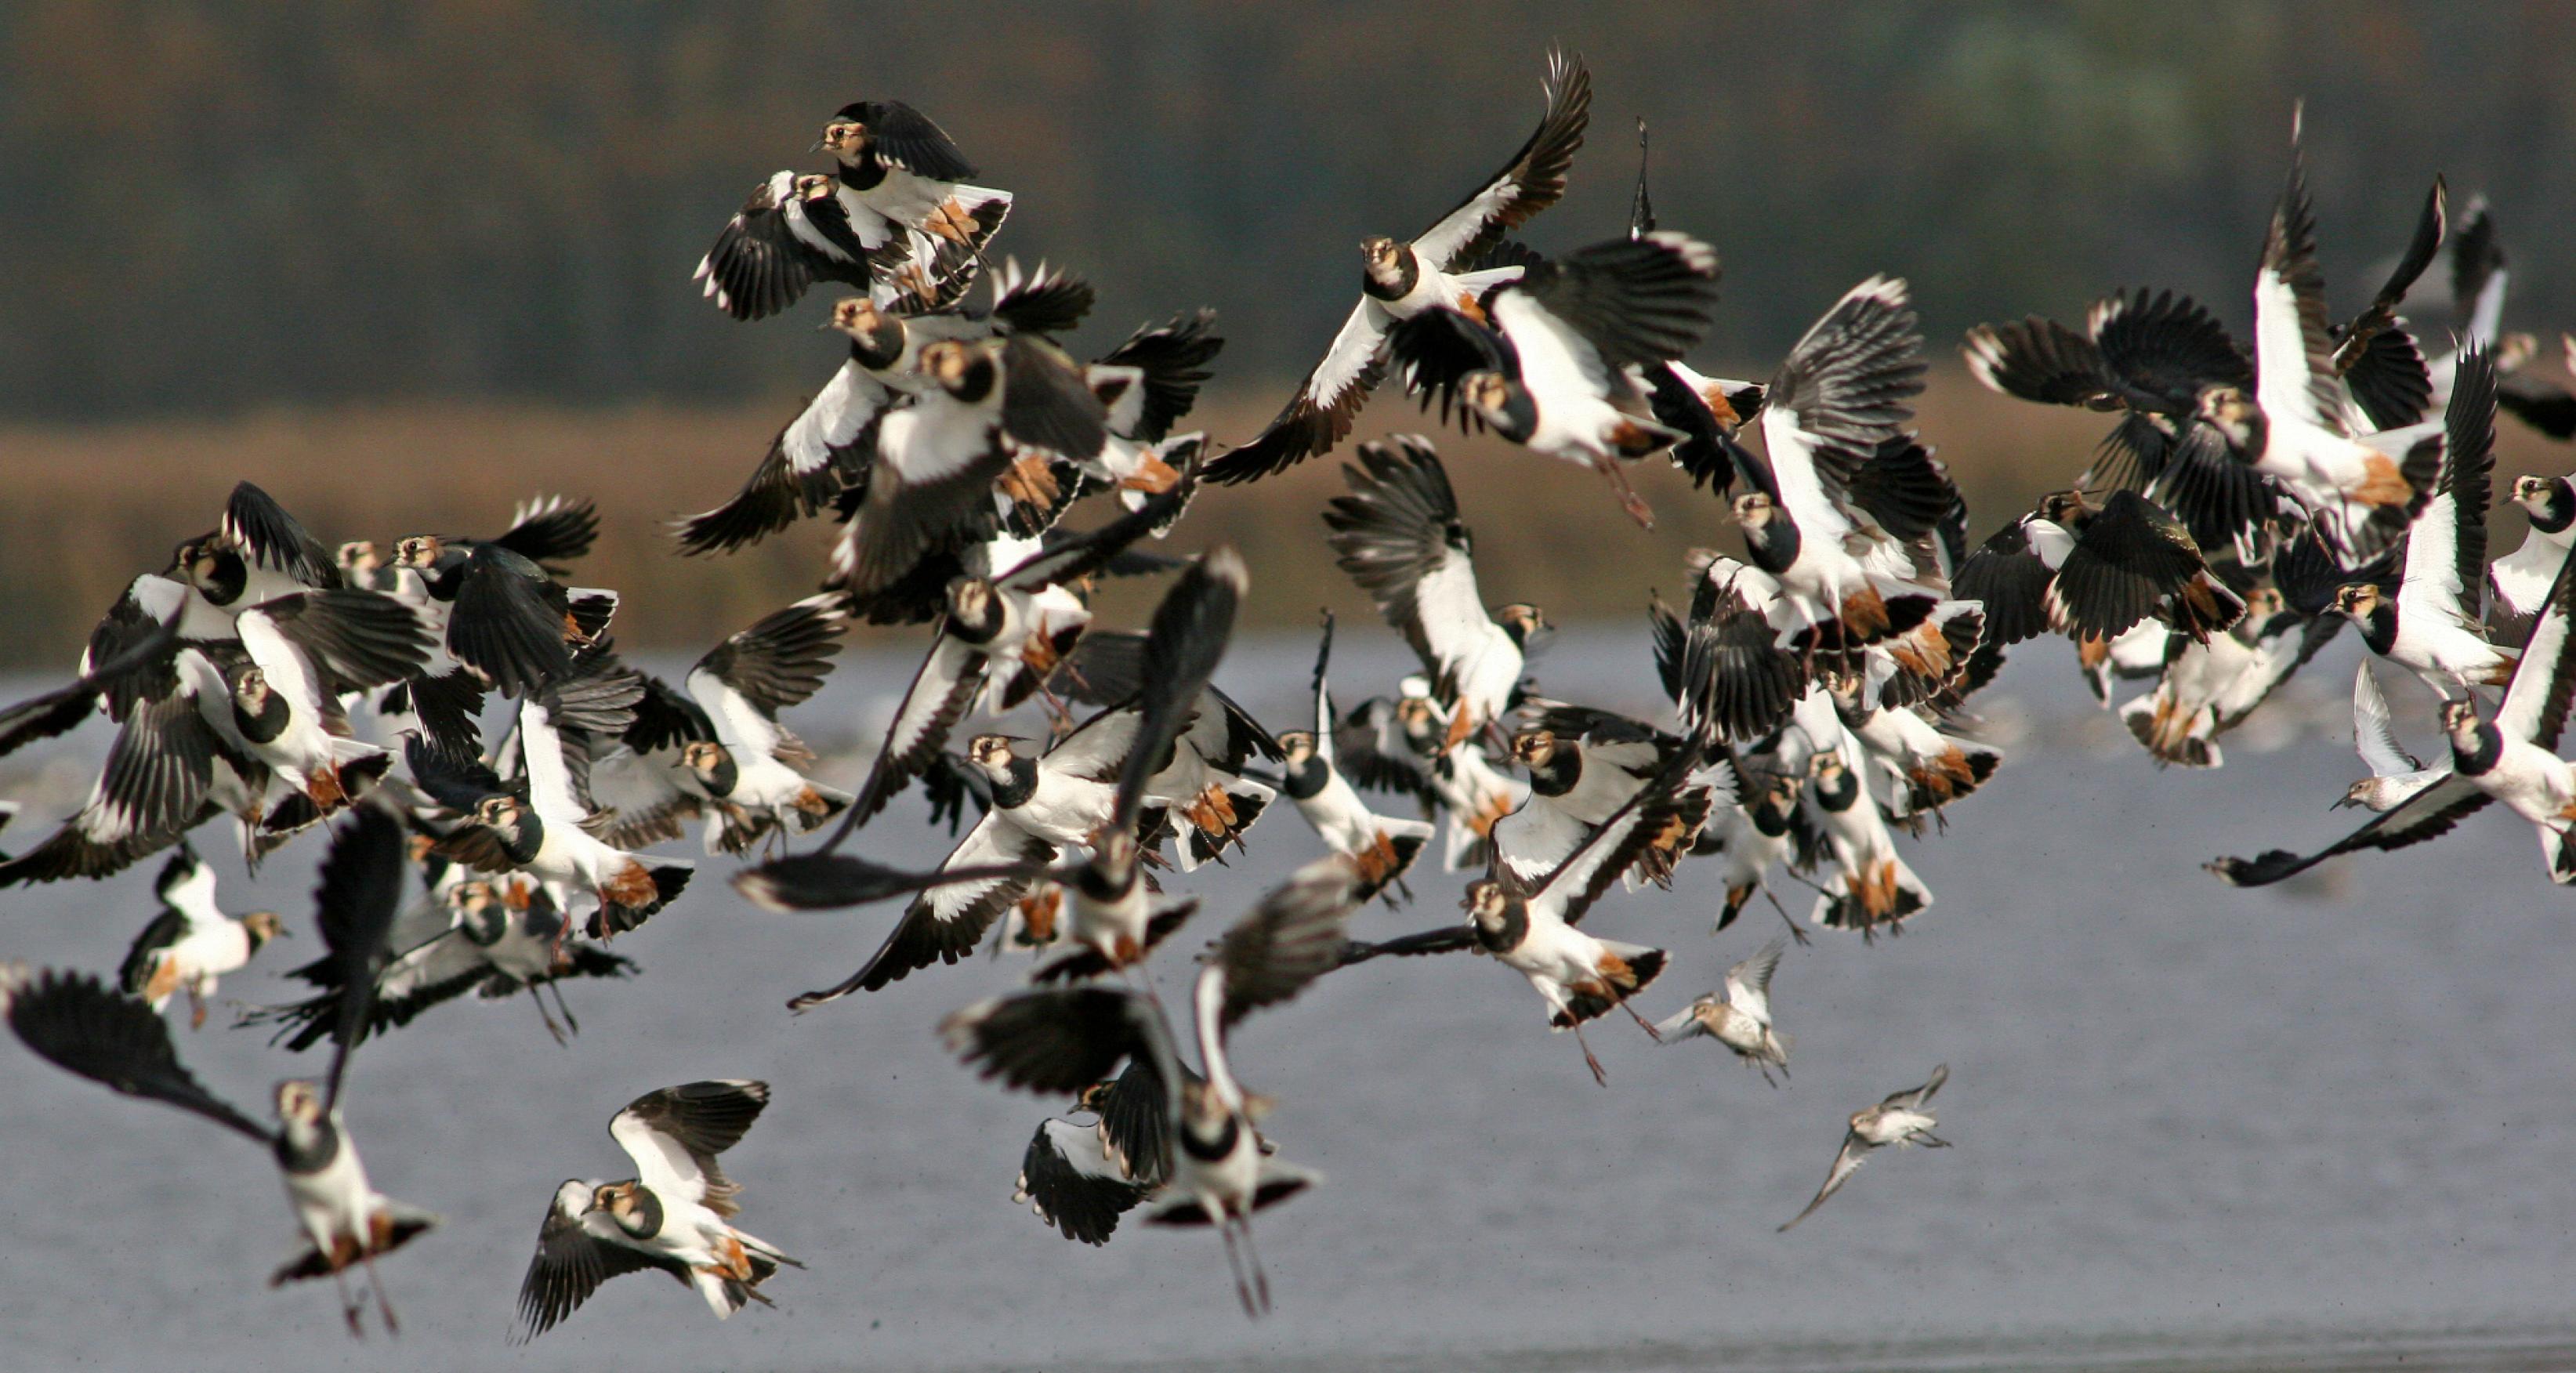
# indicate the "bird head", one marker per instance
pixel 419 551
pixel 993 753
pixel 250 689
pixel 2231 412
pixel 845 139
pixel 1501 402
pixel 1534 748
pixel 2356 794
pixel 299 1102
pixel 1203 1112
pixel 1524 623
pixel 361 555
pixel 1754 511
pixel 971 602
pixel 2460 719
pixel 815 187
pixel 214 570
pixel 1387 267
pixel 877 335
pixel 2358 599
pixel 498 812
pixel 2063 507
pixel 1296 746
pixel 707 761
pixel 263 926
pixel 964 370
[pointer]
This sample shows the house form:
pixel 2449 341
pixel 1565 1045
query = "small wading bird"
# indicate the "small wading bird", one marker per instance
pixel 1903 1118
pixel 1741 1019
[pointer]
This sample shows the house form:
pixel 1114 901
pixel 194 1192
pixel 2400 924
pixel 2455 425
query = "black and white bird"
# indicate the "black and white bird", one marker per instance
pixel 905 168
pixel 1003 633
pixel 2509 756
pixel 2298 425
pixel 1066 1040
pixel 794 230
pixel 1531 928
pixel 1838 402
pixel 2146 357
pixel 1383 847
pixel 1903 1118
pixel 675 1215
pixel 1753 836
pixel 1556 370
pixel 1447 267
pixel 191 943
pixel 92 1030
pixel 1872 887
pixel 1741 1018
pixel 1146 384
pixel 2206 687
pixel 535 824
pixel 931 485
pixel 500 615
pixel 2479 273
pixel 1584 766
pixel 2430 623
pixel 466 935
pixel 2094 573
pixel 822 458
pixel 1087 792
pixel 2395 775
pixel 2518 583
pixel 1400 536
pixel 741 685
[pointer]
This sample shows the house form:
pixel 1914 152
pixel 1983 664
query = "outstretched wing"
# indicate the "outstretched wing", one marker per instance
pixel 1533 180
pixel 675 1134
pixel 1846 1163
pixel 1324 408
pixel 83 1026
pixel 572 1260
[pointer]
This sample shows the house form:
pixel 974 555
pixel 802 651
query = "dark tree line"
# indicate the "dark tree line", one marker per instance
pixel 206 206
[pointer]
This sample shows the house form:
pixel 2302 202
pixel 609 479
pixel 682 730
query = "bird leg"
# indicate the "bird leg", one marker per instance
pixel 1629 500
pixel 1588 1060
pixel 1252 1260
pixel 1794 932
pixel 349 1307
pixel 384 1304
pixel 537 995
pixel 570 1021
pixel 196 1008
pixel 1234 1265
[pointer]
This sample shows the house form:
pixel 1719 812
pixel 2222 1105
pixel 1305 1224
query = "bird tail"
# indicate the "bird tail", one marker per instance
pixel 2173 736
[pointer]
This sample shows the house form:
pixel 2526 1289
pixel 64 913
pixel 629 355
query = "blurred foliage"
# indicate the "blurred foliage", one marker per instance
pixel 207 206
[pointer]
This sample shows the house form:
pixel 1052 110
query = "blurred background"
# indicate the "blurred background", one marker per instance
pixel 404 264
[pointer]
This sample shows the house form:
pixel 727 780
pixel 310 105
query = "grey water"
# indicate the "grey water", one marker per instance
pixel 2327 1127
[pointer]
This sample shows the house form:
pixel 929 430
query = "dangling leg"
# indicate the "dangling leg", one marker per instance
pixel 1629 500
pixel 1588 1060
pixel 570 1022
pixel 384 1304
pixel 1252 1260
pixel 349 1307
pixel 1234 1265
pixel 537 994
pixel 1794 932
